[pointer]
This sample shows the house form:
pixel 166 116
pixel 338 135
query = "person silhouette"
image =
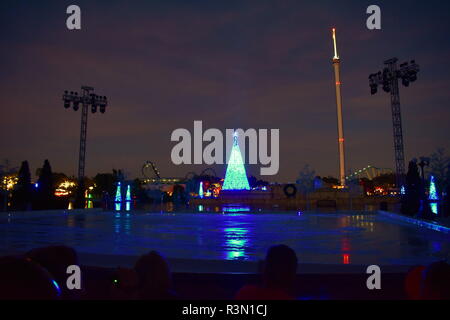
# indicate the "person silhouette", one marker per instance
pixel 56 259
pixel 279 273
pixel 154 277
pixel 435 284
pixel 23 279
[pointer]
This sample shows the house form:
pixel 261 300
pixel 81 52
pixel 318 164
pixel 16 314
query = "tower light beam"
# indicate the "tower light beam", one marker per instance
pixel 335 46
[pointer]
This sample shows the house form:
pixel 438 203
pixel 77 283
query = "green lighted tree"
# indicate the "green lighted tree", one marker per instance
pixel 235 176
pixel 439 163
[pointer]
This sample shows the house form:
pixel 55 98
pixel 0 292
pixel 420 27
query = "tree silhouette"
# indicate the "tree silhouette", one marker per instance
pixel 23 191
pixel 45 193
pixel 330 180
pixel 105 182
pixel 305 180
pixel 79 195
pixel 446 212
pixel 414 191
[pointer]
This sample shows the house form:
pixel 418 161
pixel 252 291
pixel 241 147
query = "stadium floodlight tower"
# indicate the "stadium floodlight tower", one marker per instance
pixel 336 66
pixel 388 79
pixel 86 99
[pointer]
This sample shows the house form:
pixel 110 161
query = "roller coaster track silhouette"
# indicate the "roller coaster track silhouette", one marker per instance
pixel 151 173
pixel 370 172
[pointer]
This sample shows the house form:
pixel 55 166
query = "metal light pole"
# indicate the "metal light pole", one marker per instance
pixel 86 99
pixel 388 79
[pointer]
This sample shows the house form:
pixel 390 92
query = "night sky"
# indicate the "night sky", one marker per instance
pixel 247 64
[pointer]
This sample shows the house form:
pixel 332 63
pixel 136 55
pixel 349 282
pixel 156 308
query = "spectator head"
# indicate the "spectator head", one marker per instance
pixel 280 267
pixel 153 274
pixel 55 259
pixel 412 282
pixel 22 278
pixel 436 281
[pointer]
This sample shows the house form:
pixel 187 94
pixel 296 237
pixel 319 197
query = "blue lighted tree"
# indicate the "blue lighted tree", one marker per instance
pixel 118 197
pixel 128 195
pixel 128 198
pixel 118 193
pixel 433 196
pixel 200 190
pixel 235 177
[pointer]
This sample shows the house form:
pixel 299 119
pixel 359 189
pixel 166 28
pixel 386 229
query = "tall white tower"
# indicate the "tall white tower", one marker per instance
pixel 336 63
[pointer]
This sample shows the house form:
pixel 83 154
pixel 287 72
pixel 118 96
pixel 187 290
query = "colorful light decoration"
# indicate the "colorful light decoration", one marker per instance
pixel 346 258
pixel 379 190
pixel 61 192
pixel 402 190
pixel 9 182
pixel 67 184
pixel 235 176
pixel 64 187
pixel 216 189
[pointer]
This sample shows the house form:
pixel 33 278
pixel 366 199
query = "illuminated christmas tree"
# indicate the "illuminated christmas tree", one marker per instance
pixel 200 190
pixel 128 199
pixel 235 177
pixel 89 197
pixel 433 196
pixel 118 198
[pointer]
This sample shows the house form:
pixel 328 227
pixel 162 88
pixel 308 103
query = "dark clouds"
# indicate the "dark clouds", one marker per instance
pixel 259 64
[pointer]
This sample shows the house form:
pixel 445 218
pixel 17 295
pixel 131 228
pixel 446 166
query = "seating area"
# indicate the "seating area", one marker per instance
pixel 41 274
